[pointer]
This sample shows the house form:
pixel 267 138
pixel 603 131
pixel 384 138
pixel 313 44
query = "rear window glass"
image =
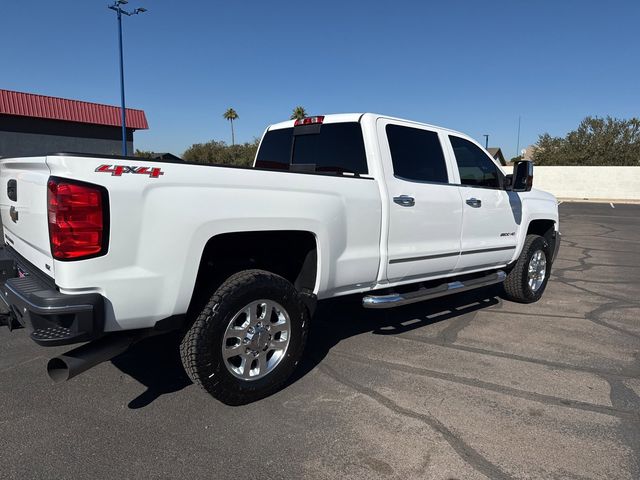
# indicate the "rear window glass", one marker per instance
pixel 275 149
pixel 333 148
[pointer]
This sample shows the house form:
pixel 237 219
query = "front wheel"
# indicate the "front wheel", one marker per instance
pixel 527 280
pixel 247 340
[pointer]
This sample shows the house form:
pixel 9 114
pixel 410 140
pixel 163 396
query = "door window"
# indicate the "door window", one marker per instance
pixel 416 154
pixel 475 166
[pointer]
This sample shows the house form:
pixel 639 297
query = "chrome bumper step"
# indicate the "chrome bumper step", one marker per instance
pixel 399 299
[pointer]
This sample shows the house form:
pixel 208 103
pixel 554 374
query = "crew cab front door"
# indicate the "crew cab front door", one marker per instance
pixel 424 207
pixel 491 215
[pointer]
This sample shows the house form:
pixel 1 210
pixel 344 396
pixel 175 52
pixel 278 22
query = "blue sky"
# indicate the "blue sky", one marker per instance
pixel 468 65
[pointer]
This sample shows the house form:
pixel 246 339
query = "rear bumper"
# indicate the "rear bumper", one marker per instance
pixel 54 318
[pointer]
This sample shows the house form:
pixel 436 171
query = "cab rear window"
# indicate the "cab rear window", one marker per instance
pixel 329 148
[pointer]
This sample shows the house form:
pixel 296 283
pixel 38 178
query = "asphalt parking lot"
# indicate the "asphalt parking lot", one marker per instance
pixel 464 387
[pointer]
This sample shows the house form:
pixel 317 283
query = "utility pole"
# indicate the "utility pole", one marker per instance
pixel 518 144
pixel 117 7
pixel 486 141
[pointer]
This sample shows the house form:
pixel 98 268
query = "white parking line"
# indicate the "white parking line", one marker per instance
pixel 611 203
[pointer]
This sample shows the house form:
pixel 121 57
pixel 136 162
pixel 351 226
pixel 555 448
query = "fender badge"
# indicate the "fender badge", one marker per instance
pixel 118 170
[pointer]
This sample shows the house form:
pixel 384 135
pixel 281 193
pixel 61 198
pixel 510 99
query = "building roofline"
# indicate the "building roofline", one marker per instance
pixel 56 108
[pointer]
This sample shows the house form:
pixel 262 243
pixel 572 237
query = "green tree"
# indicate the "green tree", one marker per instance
pixel 298 113
pixel 218 152
pixel 596 141
pixel 231 115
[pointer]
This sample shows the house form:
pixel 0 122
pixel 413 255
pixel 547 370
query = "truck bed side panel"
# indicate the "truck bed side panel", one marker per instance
pixel 159 227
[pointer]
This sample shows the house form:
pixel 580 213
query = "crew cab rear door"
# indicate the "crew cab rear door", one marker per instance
pixel 424 208
pixel 23 206
pixel 491 215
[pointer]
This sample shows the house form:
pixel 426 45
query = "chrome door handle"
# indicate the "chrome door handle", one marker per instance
pixel 474 202
pixel 405 200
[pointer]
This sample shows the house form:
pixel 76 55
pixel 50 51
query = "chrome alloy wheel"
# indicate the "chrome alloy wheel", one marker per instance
pixel 537 270
pixel 256 339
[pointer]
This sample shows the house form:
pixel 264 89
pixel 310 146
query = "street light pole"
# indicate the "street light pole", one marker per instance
pixel 117 7
pixel 122 102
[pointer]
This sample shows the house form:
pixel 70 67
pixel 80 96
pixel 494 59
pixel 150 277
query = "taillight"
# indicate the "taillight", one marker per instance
pixel 77 215
pixel 309 120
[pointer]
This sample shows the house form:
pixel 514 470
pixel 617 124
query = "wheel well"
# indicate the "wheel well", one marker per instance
pixel 289 253
pixel 544 228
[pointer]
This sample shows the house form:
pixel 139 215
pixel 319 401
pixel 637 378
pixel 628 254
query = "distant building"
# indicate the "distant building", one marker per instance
pixel 165 157
pixel 496 153
pixel 36 124
pixel 527 153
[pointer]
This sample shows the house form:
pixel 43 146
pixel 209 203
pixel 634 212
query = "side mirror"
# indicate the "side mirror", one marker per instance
pixel 522 176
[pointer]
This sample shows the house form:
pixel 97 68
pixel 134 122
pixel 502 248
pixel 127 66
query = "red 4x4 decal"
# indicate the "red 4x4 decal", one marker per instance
pixel 118 170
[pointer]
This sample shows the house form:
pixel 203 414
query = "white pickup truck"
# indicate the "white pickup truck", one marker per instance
pixel 108 250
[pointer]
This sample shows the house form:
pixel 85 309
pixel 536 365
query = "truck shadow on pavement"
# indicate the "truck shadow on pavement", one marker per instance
pixel 155 362
pixel 344 317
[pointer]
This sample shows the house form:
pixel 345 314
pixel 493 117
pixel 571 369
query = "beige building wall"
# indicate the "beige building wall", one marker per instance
pixel 591 183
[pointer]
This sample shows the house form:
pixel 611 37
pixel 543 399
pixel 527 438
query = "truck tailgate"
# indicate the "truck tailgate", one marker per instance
pixel 23 206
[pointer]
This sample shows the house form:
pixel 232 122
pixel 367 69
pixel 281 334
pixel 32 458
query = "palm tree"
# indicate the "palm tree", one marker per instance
pixel 231 115
pixel 298 113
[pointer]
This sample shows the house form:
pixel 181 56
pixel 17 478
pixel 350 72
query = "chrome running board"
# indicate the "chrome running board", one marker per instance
pixel 398 299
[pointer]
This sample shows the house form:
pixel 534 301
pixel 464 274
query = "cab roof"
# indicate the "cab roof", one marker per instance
pixel 357 117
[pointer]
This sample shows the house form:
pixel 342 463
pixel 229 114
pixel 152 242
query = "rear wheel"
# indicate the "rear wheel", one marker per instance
pixel 248 339
pixel 528 279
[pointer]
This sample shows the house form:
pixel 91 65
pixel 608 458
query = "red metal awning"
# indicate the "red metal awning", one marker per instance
pixel 53 108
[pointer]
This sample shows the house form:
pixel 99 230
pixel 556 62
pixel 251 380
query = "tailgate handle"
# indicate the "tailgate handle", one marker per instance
pixel 13 213
pixel 12 190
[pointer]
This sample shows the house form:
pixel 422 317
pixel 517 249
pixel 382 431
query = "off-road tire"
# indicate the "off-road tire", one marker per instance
pixel 200 348
pixel 516 287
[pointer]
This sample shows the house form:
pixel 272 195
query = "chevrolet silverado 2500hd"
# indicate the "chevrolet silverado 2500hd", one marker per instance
pixel 107 250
